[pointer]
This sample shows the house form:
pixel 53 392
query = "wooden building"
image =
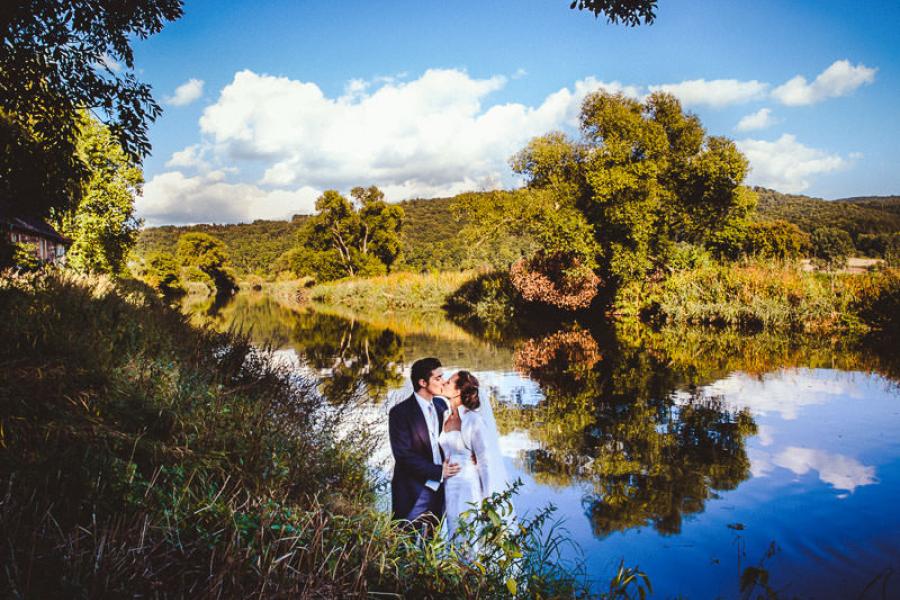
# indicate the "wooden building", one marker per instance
pixel 49 245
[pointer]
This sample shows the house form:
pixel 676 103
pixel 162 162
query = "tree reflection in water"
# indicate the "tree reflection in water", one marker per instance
pixel 360 361
pixel 650 449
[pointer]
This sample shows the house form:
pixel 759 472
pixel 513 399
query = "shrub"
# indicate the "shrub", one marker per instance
pixel 547 280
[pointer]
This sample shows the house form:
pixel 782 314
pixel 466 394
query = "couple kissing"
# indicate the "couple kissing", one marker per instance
pixel 446 449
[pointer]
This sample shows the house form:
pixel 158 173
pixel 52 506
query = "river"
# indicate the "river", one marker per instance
pixel 720 465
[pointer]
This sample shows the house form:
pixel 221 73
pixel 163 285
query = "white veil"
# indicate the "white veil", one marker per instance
pixel 495 466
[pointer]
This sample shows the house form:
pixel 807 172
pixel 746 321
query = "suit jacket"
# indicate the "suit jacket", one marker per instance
pixel 411 446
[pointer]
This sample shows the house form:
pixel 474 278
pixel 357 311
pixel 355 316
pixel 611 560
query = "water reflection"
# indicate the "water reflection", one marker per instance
pixel 615 422
pixel 705 442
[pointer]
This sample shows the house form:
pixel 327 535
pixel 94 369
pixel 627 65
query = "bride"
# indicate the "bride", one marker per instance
pixel 470 439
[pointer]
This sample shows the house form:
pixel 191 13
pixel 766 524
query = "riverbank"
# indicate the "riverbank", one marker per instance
pixel 763 297
pixel 145 456
pixel 751 298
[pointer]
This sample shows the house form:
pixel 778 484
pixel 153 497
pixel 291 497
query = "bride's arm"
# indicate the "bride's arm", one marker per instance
pixel 479 450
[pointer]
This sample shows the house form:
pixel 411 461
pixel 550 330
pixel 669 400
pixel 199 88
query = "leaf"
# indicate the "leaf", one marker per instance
pixel 511 586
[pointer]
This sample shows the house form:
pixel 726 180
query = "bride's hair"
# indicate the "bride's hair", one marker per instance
pixel 467 385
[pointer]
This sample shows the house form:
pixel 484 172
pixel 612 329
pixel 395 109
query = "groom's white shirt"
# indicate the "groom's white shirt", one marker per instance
pixel 432 434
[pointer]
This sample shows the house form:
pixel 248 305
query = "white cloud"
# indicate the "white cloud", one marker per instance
pixel 190 157
pixel 759 120
pixel 715 93
pixel 425 137
pixel 841 472
pixel 840 79
pixel 431 136
pixel 173 198
pixel 187 92
pixel 786 164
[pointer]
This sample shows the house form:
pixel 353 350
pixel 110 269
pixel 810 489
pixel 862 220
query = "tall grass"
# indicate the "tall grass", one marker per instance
pixel 397 292
pixel 758 297
pixel 143 457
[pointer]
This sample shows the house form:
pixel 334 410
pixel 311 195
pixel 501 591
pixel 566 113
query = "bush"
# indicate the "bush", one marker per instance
pixel 161 272
pixel 547 280
pixel 878 303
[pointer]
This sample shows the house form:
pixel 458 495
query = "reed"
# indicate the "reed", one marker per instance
pixel 760 297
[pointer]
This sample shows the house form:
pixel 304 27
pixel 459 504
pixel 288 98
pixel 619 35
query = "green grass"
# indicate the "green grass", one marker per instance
pixel 394 293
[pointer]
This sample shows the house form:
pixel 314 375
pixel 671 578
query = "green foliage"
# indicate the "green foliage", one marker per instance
pixel 52 67
pixel 161 272
pixel 768 240
pixel 685 257
pixel 253 247
pixel 102 226
pixel 880 245
pixel 23 256
pixel 856 216
pixel 209 255
pixel 391 293
pixel 878 303
pixel 363 236
pixel 628 12
pixel 830 248
pixel 754 297
pixel 644 176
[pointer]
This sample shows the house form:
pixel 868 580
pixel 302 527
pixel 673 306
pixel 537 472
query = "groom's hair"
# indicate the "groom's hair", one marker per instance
pixel 422 369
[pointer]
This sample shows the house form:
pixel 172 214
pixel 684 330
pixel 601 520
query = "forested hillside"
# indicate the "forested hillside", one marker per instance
pixel 433 239
pixel 253 247
pixel 854 215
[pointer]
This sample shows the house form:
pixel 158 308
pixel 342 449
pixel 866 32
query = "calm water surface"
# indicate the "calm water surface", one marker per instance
pixel 707 460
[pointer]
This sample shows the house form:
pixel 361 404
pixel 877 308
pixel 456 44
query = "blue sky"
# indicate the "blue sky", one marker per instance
pixel 269 103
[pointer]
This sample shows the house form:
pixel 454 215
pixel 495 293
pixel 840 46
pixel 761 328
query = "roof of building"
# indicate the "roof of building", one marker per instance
pixel 35 226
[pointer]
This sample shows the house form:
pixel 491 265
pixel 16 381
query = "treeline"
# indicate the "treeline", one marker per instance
pixel 433 234
pixel 253 247
pixel 873 223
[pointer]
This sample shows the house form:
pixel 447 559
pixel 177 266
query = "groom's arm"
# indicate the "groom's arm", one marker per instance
pixel 401 446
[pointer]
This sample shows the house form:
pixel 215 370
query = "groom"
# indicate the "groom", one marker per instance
pixel 420 469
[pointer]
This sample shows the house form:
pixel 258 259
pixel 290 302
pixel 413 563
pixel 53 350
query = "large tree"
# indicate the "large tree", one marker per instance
pixel 58 58
pixel 102 226
pixel 347 238
pixel 209 255
pixel 644 176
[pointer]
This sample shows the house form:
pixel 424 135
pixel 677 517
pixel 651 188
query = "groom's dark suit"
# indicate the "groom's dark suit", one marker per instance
pixel 414 461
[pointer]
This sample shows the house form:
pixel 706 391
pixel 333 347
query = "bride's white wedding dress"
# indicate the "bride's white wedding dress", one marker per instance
pixel 474 482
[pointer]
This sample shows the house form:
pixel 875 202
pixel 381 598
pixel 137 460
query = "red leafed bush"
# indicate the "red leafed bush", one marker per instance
pixel 547 280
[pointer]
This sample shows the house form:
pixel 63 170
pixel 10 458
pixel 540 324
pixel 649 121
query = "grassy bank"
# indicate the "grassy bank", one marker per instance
pixel 143 457
pixel 394 293
pixel 766 298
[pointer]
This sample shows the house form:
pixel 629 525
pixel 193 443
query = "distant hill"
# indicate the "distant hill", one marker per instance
pixel 252 246
pixel 880 214
pixel 431 230
pixel 887 203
